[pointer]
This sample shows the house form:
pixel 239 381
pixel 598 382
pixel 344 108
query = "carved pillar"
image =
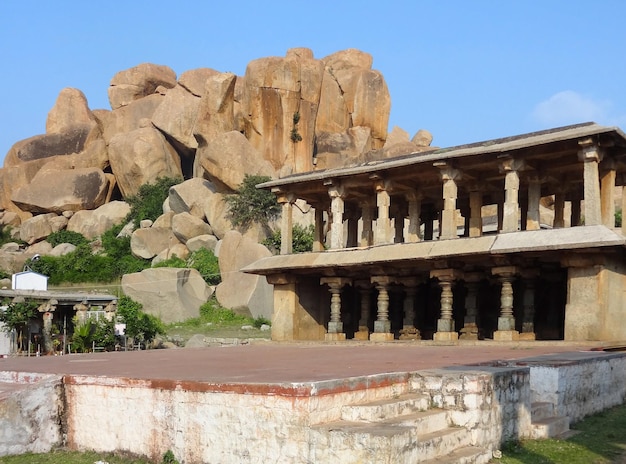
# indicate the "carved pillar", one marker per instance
pixel 506 322
pixel 476 220
pixel 336 192
pixel 415 211
pixel 318 236
pixel 409 331
pixel 559 210
pixel 449 176
pixel 534 198
pixel 591 156
pixel 382 324
pixel 528 315
pixel 445 324
pixel 335 326
pixel 286 225
pixel 47 309
pixel 510 217
pixel 365 289
pixel 367 217
pixel 81 311
pixel 607 192
pixel 470 325
pixel 382 234
pixel 110 310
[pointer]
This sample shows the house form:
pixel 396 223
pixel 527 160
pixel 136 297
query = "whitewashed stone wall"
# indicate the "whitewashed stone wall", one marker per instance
pixel 582 387
pixel 493 404
pixel 30 415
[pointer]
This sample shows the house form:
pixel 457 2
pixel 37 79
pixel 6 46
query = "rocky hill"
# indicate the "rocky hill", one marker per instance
pixel 285 115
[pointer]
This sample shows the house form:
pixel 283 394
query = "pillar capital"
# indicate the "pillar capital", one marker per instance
pixel 381 280
pixel 335 189
pixel 280 279
pixel 446 275
pixel 283 197
pixel 447 171
pixel 335 282
pixel 589 150
pixel 504 271
pixel 508 163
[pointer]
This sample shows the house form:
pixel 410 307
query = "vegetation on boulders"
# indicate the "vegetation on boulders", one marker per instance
pixel 66 236
pixel 148 203
pixel 140 326
pixel 251 205
pixel 202 260
pixel 302 239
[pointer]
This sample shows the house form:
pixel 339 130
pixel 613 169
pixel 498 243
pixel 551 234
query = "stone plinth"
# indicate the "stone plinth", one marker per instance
pixel 335 337
pixel 410 333
pixel 445 336
pixel 382 326
pixel 362 335
pixel 506 336
pixel 381 337
pixel 527 336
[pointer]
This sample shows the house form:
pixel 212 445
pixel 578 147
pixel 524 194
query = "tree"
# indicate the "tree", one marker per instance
pixel 139 325
pixel 251 204
pixel 16 317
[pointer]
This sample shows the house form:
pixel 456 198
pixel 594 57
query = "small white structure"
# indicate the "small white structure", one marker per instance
pixel 29 280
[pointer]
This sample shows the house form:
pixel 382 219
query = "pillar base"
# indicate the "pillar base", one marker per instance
pixel 362 335
pixel 382 326
pixel 335 327
pixel 506 324
pixel 381 337
pixel 409 333
pixel 445 336
pixel 469 332
pixel 445 325
pixel 527 336
pixel 335 337
pixel 506 335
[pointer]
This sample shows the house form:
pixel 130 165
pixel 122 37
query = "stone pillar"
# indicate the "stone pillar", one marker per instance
pixel 591 156
pixel 476 219
pixel 415 211
pixel 449 177
pixel 575 220
pixel 318 235
pixel 445 324
pixel 559 210
pixel 506 322
pixel 534 198
pixel 365 289
pixel 470 325
pixel 607 192
pixel 335 192
pixel 367 217
pixel 382 234
pixel 398 226
pixel 382 324
pixel 335 326
pixel 409 331
pixel 353 229
pixel 528 315
pixel 510 211
pixel 284 316
pixel 286 225
pixel 47 309
pixel 81 311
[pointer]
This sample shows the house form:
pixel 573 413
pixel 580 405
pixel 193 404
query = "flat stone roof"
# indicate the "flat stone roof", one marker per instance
pixel 537 241
pixel 61 297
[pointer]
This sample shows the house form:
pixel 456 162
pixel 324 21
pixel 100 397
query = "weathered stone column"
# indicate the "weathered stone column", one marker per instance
pixel 81 311
pixel 409 331
pixel 382 234
pixel 575 220
pixel 534 198
pixel 398 226
pixel 607 192
pixel 591 156
pixel 318 236
pixel 528 315
pixel 335 326
pixel 470 325
pixel 449 177
pixel 506 322
pixel 559 210
pixel 335 192
pixel 47 309
pixel 510 216
pixel 415 211
pixel 284 319
pixel 475 204
pixel 286 225
pixel 367 218
pixel 445 324
pixel 353 228
pixel 365 288
pixel 382 324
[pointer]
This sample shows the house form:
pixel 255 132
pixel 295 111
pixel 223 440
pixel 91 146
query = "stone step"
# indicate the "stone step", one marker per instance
pixel 550 427
pixel 541 410
pixel 442 442
pixel 385 409
pixel 422 422
pixel 464 455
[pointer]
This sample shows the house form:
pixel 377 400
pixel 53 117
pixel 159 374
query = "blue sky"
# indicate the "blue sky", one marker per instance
pixel 464 70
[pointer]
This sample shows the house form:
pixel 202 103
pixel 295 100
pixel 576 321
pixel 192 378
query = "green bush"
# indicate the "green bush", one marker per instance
pixel 207 264
pixel 302 239
pixel 174 261
pixel 148 203
pixel 16 317
pixel 251 205
pixel 66 236
pixel 139 325
pixel 83 336
pixel 212 312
